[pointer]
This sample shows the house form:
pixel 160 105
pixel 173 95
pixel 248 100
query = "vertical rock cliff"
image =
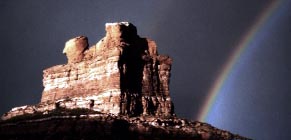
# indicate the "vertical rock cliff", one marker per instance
pixel 121 74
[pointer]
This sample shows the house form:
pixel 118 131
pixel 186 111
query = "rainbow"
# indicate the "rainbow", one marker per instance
pixel 242 45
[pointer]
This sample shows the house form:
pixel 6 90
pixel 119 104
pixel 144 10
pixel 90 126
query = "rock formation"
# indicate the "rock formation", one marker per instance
pixel 122 75
pixel 74 49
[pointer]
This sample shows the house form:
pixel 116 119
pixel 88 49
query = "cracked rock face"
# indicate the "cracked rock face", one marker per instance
pixel 121 74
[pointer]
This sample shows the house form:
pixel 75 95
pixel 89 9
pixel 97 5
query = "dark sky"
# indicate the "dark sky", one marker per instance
pixel 198 34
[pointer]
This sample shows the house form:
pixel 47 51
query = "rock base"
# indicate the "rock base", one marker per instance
pixel 111 127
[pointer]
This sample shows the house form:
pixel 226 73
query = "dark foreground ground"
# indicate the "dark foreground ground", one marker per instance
pixel 108 127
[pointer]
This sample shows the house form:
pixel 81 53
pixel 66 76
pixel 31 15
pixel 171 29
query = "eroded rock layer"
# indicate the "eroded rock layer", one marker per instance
pixel 121 74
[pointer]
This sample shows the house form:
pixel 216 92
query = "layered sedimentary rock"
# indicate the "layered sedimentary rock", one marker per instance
pixel 122 73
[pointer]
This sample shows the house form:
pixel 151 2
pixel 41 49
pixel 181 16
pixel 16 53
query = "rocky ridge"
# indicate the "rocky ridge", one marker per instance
pixel 111 127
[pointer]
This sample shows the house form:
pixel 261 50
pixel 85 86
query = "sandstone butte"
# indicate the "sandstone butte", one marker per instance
pixel 115 89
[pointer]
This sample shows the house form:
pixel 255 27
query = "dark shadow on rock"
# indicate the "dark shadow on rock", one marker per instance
pixel 131 66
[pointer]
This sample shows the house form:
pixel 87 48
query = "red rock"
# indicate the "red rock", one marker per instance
pixel 75 48
pixel 121 66
pixel 123 75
